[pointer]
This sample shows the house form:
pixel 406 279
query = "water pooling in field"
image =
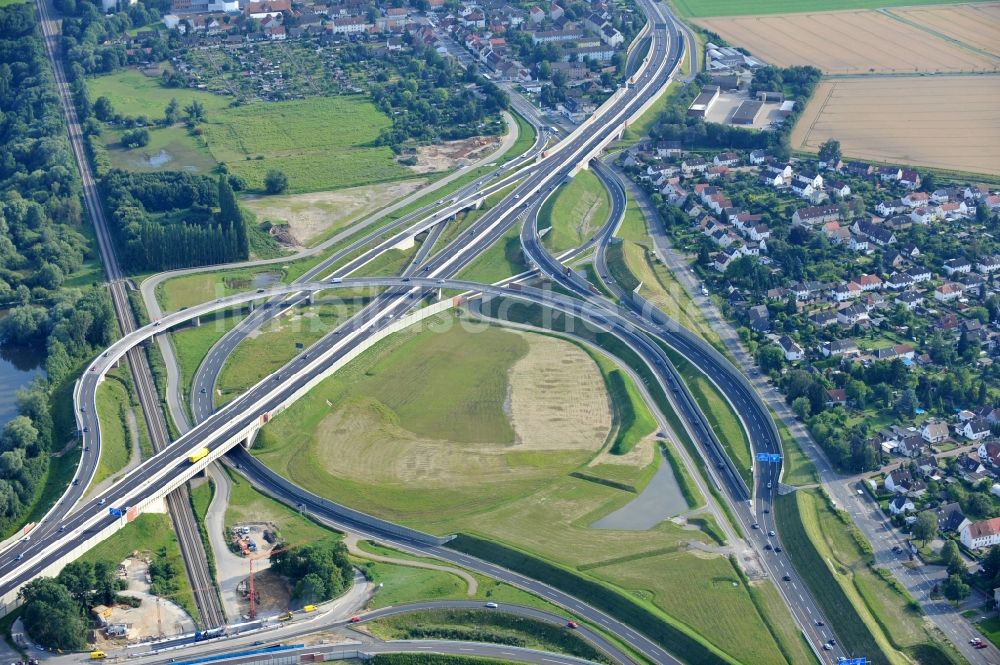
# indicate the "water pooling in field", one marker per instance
pixel 662 499
pixel 18 366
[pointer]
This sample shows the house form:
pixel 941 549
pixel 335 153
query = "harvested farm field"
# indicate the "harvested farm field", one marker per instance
pixel 878 43
pixel 947 122
pixel 977 25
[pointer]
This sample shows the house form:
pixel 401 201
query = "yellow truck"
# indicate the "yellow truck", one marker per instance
pixel 98 655
pixel 309 608
pixel 287 616
pixel 201 454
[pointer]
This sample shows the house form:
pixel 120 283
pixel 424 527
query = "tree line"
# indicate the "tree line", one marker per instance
pixel 164 220
pixel 40 245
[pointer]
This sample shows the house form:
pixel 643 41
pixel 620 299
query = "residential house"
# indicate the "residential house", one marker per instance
pixel 988 264
pixel 976 535
pixel 758 157
pixel 816 215
pixel 889 173
pixel 901 505
pixel 912 446
pixel 840 347
pixel 791 349
pixel 877 233
pixel 898 281
pixel 950 517
pixel 909 179
pixel 934 432
pixel 919 274
pixel 726 159
pixel 948 292
pixel 836 397
pixel 824 318
pixel 976 429
pixel 955 266
pixel 887 208
pixel 989 453
pixel 760 319
pixel 910 299
pixel 916 199
pixel 852 315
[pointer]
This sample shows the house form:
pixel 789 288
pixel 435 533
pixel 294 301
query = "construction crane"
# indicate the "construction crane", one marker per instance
pixel 251 591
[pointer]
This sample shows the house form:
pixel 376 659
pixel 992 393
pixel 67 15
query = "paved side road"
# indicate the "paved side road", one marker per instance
pixel 842 489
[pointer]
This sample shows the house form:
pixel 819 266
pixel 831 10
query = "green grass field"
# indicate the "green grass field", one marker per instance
pixel 132 93
pixel 704 8
pixel 187 290
pixel 577 210
pixel 638 129
pixel 275 344
pixel 529 500
pixel 319 143
pixel 116 445
pixel 503 259
pixel 147 534
pixel 169 149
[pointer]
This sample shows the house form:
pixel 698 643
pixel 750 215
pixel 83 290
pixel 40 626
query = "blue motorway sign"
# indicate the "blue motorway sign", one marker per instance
pixel 852 661
pixel 774 458
pixel 768 457
pixel 762 457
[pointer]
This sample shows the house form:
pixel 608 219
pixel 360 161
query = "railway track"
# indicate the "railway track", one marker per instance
pixel 181 513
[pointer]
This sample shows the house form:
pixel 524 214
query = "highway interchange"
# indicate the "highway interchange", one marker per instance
pixel 638 329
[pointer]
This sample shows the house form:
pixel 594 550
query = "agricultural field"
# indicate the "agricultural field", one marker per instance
pixel 319 143
pixel 878 43
pixel 702 8
pixel 493 422
pixel 977 25
pixel 907 121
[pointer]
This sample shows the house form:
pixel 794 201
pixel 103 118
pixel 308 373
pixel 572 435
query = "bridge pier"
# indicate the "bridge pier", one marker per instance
pixel 196 322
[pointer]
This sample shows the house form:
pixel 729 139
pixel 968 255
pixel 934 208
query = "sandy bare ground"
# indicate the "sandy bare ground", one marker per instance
pixel 848 42
pixel 452 154
pixel 557 398
pixel 977 24
pixel 948 122
pixel 312 215
pixel 557 402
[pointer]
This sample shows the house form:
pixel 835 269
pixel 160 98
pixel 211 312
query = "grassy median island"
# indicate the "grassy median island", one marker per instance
pixel 116 444
pixel 491 626
pixel 461 427
pixel 575 212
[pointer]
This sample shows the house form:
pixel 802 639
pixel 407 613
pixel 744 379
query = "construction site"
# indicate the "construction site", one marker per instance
pixel 258 591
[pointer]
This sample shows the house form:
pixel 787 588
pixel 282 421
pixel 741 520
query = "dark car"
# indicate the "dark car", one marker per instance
pixel 787 578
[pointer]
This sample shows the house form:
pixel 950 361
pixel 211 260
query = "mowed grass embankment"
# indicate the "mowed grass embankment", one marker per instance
pixel 574 214
pixel 417 430
pixel 319 143
pixel 871 614
pixel 699 8
pixel 116 442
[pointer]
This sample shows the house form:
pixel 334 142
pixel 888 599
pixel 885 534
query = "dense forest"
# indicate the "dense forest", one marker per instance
pixel 165 220
pixel 40 247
